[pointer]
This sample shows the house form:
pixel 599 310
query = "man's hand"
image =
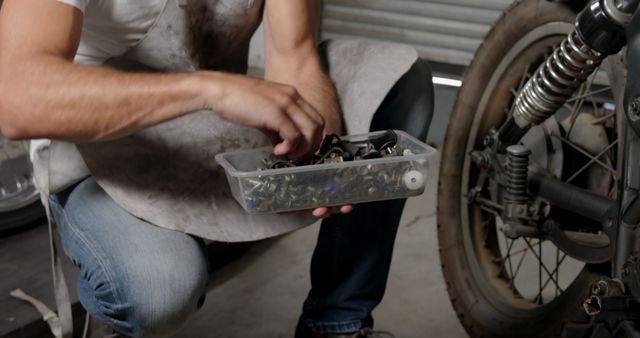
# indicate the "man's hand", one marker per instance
pixel 325 212
pixel 292 123
pixel 292 59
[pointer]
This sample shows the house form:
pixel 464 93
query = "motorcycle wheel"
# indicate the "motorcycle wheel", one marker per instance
pixel 483 294
pixel 20 203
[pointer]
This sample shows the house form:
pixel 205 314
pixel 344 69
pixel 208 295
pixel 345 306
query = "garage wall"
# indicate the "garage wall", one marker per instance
pixel 447 31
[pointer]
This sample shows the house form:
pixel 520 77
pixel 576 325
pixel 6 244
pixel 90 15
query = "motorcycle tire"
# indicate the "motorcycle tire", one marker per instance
pixel 22 219
pixel 485 305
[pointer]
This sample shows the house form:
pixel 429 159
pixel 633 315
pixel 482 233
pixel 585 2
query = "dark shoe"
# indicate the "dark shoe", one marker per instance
pixel 303 331
pixel 364 333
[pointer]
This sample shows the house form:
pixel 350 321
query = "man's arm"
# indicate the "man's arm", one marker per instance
pixel 292 57
pixel 44 95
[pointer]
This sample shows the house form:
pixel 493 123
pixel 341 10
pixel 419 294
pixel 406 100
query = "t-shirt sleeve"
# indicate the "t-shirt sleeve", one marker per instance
pixel 79 4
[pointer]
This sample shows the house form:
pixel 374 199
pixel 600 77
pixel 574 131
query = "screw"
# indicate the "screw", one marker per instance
pixel 600 288
pixel 634 109
pixel 488 141
pixel 609 222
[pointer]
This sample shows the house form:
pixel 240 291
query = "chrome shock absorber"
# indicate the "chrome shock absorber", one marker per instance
pixel 517 174
pixel 556 80
pixel 516 211
pixel 600 31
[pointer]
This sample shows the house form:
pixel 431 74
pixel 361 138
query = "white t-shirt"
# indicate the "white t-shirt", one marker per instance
pixel 112 27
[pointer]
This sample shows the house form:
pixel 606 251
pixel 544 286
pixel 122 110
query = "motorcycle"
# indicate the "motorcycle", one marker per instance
pixel 20 205
pixel 538 200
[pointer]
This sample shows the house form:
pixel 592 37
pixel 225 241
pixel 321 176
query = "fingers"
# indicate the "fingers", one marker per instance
pixel 287 130
pixel 306 119
pixel 324 212
pixel 310 128
pixel 345 209
pixel 292 124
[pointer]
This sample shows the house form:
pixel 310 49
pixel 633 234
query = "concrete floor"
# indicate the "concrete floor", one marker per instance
pixel 265 299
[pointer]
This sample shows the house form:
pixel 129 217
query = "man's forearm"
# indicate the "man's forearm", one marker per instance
pixel 306 74
pixel 48 97
pixel 315 86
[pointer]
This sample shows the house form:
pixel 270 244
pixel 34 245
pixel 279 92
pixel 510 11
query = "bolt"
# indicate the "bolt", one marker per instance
pixel 634 109
pixel 609 222
pixel 488 141
pixel 480 159
pixel 600 288
pixel 626 271
pixel 383 177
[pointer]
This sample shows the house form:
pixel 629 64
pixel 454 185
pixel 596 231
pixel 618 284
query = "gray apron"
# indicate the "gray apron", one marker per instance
pixel 167 174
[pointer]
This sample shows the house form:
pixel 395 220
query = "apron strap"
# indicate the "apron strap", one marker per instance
pixel 47 314
pixel 61 325
pixel 60 288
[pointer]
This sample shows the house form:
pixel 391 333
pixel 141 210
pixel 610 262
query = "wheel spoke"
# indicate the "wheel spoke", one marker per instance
pixel 542 266
pixel 519 251
pixel 555 271
pixel 586 153
pixel 540 288
pixel 602 119
pixel 519 264
pixel 558 262
pixel 523 80
pixel 590 93
pixel 594 159
pixel 575 110
pixel 508 257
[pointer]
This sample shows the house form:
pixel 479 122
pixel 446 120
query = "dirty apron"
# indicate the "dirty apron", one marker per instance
pixel 167 174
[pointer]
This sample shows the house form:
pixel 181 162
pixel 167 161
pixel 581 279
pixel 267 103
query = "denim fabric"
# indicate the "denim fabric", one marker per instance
pixel 141 280
pixel 351 262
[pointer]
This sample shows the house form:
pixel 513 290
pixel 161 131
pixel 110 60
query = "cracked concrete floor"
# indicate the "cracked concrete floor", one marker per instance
pixel 264 299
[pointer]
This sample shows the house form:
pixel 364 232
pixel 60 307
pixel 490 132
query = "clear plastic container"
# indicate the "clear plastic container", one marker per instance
pixel 306 187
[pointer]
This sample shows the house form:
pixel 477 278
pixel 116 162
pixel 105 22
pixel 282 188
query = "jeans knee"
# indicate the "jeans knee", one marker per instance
pixel 163 304
pixel 147 302
pixel 154 319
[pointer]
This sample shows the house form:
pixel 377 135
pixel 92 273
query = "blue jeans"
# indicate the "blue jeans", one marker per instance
pixel 145 281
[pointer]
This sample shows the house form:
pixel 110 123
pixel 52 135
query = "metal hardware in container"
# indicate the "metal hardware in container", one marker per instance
pixel 328 184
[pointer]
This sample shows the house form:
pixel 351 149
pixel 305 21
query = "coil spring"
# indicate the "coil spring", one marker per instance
pixel 517 174
pixel 556 79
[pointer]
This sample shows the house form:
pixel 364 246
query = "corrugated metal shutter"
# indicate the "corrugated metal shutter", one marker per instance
pixel 446 31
